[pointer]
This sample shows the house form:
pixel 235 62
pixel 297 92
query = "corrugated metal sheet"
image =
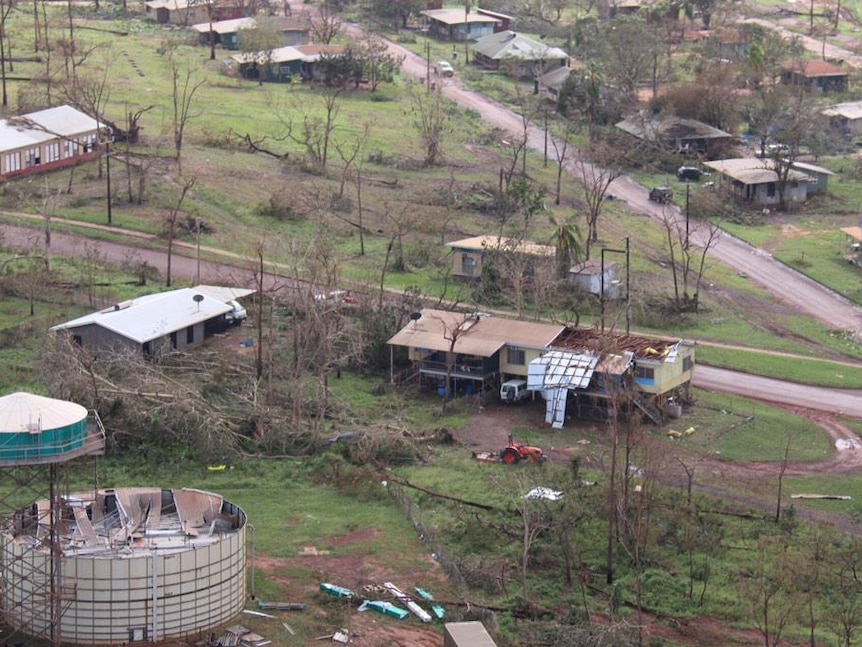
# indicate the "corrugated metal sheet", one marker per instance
pixel 153 316
pixel 479 336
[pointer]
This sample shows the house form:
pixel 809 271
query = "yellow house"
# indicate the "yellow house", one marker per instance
pixel 468 253
pixel 580 370
pixel 474 350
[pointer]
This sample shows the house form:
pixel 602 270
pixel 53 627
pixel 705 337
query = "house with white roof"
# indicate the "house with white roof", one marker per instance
pixel 47 140
pixel 755 179
pixel 845 118
pixel 517 55
pixel 227 32
pixel 157 323
pixel 462 24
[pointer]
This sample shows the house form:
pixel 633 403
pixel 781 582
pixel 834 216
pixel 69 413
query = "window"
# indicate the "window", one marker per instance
pixel 11 162
pixel 70 148
pixel 52 152
pixel 33 157
pixel 190 335
pixel 770 189
pixel 516 356
pixel 174 340
pixel 468 264
pixel 687 363
pixel 644 372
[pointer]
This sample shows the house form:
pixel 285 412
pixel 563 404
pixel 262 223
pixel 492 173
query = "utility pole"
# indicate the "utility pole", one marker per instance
pixel 627 252
pixel 546 138
pixel 428 66
pixel 687 196
pixel 108 176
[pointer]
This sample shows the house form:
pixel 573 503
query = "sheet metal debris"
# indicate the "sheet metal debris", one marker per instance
pixel 836 497
pixel 543 493
pixel 404 599
pixel 282 606
pixel 439 611
pixel 384 607
pixel 337 591
pixel 422 593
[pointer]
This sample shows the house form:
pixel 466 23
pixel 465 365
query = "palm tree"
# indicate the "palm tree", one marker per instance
pixel 566 239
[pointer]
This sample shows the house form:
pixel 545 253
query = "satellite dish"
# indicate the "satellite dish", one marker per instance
pixel 415 316
pixel 198 298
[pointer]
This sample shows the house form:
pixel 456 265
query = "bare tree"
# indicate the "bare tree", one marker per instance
pixel 688 245
pixel 184 86
pixel 597 167
pixel 326 24
pixel 6 7
pixel 453 330
pixel 313 133
pixel 351 157
pixel 172 224
pixel 429 118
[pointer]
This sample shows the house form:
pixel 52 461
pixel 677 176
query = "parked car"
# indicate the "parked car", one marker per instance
pixel 686 173
pixel 444 68
pixel 237 314
pixel 661 194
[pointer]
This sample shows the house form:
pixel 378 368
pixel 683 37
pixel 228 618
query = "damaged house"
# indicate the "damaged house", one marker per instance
pixel 580 372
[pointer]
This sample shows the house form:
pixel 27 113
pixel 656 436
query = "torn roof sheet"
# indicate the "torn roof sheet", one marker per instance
pixel 641 348
pixel 127 522
pixel 562 369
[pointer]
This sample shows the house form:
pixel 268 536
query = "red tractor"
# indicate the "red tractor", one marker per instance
pixel 516 452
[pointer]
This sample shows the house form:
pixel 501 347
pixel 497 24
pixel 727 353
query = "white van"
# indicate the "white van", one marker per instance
pixel 512 391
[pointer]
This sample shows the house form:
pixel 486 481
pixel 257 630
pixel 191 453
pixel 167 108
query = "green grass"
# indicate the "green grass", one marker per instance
pixel 805 370
pixel 737 429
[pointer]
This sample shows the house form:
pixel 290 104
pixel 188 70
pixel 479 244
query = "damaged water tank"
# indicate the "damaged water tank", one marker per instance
pixel 140 564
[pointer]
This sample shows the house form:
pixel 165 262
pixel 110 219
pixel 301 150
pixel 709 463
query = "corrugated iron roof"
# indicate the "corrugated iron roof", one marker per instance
pixel 562 369
pixel 510 45
pixel 457 16
pixel 44 125
pixel 591 339
pixel 155 315
pixel 481 336
pixel 479 243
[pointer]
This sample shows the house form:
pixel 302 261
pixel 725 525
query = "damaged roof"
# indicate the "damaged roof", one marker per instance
pixel 640 348
pixel 128 522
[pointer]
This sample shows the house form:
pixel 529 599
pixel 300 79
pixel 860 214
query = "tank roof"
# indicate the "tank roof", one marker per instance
pixel 21 411
pixel 130 522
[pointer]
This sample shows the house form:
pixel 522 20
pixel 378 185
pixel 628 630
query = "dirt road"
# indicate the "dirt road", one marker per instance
pixel 785 283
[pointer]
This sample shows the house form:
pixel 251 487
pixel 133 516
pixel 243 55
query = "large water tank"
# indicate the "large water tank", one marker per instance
pixel 136 565
pixel 34 428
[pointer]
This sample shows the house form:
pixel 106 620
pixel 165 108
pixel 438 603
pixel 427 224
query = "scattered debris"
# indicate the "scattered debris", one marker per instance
pixel 257 613
pixel 282 606
pixel 239 636
pixel 217 468
pixel 402 597
pixel 337 591
pixel 837 497
pixel 583 441
pixel 543 493
pixel 673 433
pixel 439 611
pixel 386 608
pixel 288 628
pixel 422 593
pixel 847 443
pixel 341 636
